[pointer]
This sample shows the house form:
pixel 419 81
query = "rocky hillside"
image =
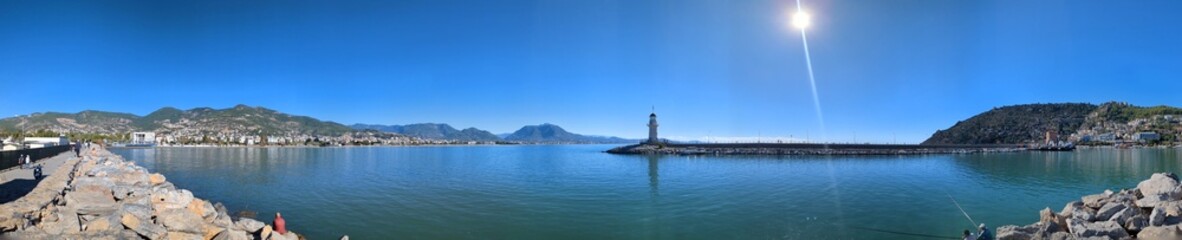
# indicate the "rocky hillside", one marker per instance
pixel 240 119
pixel 1015 124
pixel 438 131
pixel 1072 121
pixel 550 133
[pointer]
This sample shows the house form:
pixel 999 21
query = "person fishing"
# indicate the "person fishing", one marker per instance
pixel 984 233
pixel 968 235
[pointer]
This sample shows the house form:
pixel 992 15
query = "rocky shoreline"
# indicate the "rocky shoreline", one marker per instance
pixel 1152 210
pixel 102 196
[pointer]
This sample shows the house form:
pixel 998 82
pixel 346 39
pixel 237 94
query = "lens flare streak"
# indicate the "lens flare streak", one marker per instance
pixel 808 59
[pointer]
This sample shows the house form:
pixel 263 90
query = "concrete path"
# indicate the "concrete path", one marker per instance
pixel 16 182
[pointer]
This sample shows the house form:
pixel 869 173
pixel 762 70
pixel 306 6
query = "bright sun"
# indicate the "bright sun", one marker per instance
pixel 801 20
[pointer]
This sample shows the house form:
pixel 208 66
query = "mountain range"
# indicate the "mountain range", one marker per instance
pixel 243 120
pixel 1029 123
pixel 543 133
pixel 240 119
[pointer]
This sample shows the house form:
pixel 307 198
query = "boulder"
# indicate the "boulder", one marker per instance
pixel 223 221
pixel 249 225
pixel 1154 200
pixel 1014 232
pixel 108 223
pixel 1084 214
pixel 1094 201
pixel 1109 229
pixel 91 194
pixel 1157 217
pixel 1070 207
pixel 182 236
pixel 1161 183
pixel 1048 216
pixel 232 235
pixel 156 179
pixel 1108 210
pixel 142 226
pixel 167 199
pixel 1060 236
pixel 1160 232
pixel 180 220
pixel 265 232
pixel 1125 214
pixel 1136 223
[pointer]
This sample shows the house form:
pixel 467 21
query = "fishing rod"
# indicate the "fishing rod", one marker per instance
pixel 966 214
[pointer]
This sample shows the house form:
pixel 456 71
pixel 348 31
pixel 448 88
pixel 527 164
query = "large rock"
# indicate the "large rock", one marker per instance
pixel 1161 183
pixel 1160 233
pixel 163 199
pixel 1048 216
pixel 156 179
pixel 1011 232
pixel 182 236
pixel 1125 214
pixel 1155 200
pixel 1108 229
pixel 232 235
pixel 1157 217
pixel 1108 210
pixel 1070 207
pixel 181 220
pixel 1094 201
pixel 249 225
pixel 142 226
pixel 1136 223
pixel 91 194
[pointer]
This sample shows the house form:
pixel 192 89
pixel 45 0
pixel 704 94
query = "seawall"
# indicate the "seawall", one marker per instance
pixel 1152 210
pixel 808 149
pixel 103 196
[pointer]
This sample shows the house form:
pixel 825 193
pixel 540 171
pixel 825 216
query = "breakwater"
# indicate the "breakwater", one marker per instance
pixel 810 149
pixel 1152 210
pixel 102 196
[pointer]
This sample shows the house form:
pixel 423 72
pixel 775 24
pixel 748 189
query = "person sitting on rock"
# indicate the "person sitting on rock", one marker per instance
pixel 984 233
pixel 280 224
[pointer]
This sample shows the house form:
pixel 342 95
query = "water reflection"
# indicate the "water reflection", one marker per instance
pixel 654 180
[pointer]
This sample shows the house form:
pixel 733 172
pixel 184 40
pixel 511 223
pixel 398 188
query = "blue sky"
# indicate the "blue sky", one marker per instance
pixel 886 70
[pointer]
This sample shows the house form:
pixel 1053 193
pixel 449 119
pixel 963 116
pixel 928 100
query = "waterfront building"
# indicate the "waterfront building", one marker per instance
pixel 1146 136
pixel 1106 137
pixel 40 142
pixel 652 128
pixel 143 138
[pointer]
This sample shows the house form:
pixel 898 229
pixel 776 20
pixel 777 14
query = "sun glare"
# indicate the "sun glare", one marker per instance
pixel 801 20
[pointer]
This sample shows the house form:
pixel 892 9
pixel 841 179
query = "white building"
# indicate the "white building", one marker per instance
pixel 40 142
pixel 143 138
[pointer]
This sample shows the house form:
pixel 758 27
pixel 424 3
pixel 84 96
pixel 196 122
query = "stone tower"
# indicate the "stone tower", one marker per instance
pixel 652 128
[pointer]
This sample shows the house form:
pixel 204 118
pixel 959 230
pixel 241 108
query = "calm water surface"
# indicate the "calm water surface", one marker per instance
pixel 578 192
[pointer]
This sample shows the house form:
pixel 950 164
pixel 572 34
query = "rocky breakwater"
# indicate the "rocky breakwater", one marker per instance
pixel 102 196
pixel 1153 210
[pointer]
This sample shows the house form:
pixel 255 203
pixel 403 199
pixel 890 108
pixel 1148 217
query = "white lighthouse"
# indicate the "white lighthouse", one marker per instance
pixel 652 128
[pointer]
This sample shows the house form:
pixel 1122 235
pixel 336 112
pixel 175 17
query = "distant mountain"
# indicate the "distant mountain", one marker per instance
pixel 440 131
pixel 239 120
pixel 1070 121
pixel 550 133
